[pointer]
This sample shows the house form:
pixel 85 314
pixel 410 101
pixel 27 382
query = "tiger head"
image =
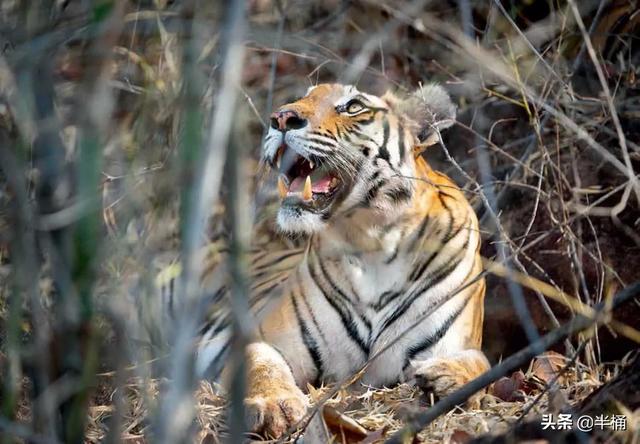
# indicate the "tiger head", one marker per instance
pixel 340 152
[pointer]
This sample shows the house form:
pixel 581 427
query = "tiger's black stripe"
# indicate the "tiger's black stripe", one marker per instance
pixel 451 264
pixel 420 267
pixel 310 311
pixel 263 293
pixel 385 298
pixel 372 193
pixel 342 294
pixel 399 195
pixel 393 256
pixel 418 271
pixel 322 142
pixel 275 260
pixel 436 336
pixel 367 121
pixel 363 136
pixel 423 227
pixel 326 134
pixel 307 339
pixel 318 150
pixel 401 147
pixel 383 152
pixel 217 364
pixel 445 194
pixel 344 314
pixel 270 285
pixel 436 277
pixel 422 233
pixel 338 132
pixel 258 255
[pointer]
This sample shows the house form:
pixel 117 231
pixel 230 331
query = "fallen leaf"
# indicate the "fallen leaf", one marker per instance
pixel 375 436
pixel 460 437
pixel 547 366
pixel 342 425
pixel 509 388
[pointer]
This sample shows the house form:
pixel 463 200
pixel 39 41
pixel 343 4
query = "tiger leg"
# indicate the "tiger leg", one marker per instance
pixel 274 403
pixel 457 359
pixel 443 375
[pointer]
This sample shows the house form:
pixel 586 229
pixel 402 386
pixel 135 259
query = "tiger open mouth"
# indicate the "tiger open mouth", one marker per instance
pixel 305 182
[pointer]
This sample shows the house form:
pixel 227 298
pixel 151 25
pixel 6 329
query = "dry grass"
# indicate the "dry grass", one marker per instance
pixel 381 411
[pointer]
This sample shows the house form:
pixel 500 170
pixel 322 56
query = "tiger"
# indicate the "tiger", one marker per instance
pixel 389 277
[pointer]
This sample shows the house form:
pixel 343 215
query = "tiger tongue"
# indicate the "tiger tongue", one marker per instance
pixel 319 186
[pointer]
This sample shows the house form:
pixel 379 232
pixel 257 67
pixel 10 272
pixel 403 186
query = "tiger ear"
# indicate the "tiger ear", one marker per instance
pixel 431 110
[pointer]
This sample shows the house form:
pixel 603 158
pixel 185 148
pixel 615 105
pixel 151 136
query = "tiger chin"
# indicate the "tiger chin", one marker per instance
pixel 390 277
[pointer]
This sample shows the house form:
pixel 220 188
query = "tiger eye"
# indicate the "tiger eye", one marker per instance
pixel 354 107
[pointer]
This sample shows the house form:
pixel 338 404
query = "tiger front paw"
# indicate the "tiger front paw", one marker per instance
pixel 443 376
pixel 272 413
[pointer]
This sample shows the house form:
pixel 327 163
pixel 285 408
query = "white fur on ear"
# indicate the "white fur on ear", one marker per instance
pixel 437 99
pixel 431 110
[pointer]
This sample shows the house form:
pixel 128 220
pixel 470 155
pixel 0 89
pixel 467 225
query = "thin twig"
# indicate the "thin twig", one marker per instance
pixel 622 140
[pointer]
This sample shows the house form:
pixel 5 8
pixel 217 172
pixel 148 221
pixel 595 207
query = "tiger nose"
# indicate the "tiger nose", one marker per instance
pixel 287 120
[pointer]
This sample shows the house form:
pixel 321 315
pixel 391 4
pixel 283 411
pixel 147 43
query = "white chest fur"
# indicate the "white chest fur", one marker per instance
pixel 378 308
pixel 371 276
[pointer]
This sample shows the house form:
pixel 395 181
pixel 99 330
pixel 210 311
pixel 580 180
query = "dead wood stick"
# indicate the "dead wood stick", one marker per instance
pixel 577 324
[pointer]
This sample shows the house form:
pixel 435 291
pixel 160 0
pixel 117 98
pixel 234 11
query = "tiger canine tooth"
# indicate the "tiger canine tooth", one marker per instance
pixel 282 188
pixel 279 157
pixel 306 191
pixel 311 164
